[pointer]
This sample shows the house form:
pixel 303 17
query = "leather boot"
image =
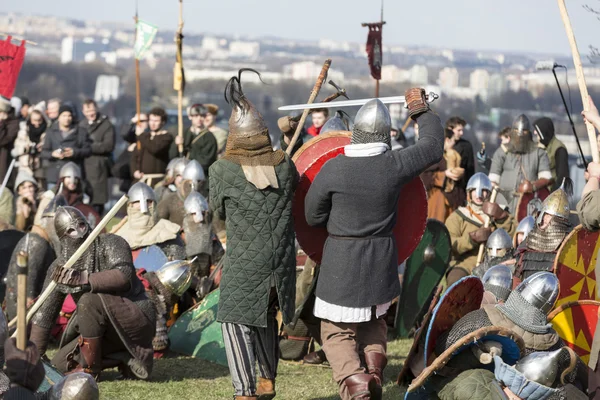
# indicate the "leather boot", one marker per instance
pixel 90 356
pixel 360 386
pixel 376 363
pixel 315 358
pixel 265 389
pixel 246 397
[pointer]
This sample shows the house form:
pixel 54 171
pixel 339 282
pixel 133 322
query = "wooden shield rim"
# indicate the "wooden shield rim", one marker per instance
pixel 570 304
pixel 317 139
pixel 447 261
pixel 441 302
pixel 414 348
pixel 474 336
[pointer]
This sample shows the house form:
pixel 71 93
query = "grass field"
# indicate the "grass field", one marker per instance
pixel 188 378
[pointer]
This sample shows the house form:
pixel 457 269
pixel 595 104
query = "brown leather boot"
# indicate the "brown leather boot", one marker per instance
pixel 265 389
pixel 246 397
pixel 315 358
pixel 360 386
pixel 376 363
pixel 90 356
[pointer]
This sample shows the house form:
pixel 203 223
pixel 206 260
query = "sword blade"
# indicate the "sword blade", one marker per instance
pixel 343 103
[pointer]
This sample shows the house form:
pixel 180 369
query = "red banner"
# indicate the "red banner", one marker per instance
pixel 375 50
pixel 11 61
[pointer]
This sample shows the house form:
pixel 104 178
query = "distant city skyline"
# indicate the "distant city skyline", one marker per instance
pixel 510 25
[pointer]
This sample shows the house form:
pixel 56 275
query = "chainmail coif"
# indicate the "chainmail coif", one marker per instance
pixel 524 315
pixel 361 137
pixel 549 239
pixel 500 292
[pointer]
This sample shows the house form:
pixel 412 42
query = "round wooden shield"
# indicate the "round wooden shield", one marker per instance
pixel 575 266
pixel 461 298
pixel 521 211
pixel 310 158
pixel 575 322
pixel 424 270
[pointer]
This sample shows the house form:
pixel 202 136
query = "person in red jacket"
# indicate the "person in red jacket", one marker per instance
pixel 319 117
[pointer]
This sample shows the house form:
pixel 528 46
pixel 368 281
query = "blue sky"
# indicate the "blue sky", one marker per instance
pixel 521 25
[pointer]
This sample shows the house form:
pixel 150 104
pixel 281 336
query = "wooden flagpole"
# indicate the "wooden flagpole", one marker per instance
pixel 179 76
pixel 580 77
pixel 138 101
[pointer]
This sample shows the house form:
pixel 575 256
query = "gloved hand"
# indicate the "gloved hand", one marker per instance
pixel 494 211
pixel 526 187
pixel 416 102
pixel 287 125
pixel 481 235
pixel 23 368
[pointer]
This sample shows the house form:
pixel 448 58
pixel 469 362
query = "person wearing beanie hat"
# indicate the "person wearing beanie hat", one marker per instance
pixel 556 150
pixel 26 204
pixel 210 120
pixel 65 141
pixel 358 278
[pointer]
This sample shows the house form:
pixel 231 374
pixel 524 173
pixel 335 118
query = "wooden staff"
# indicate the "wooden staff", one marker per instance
pixel 138 106
pixel 313 96
pixel 580 77
pixel 179 77
pixel 486 224
pixel 76 256
pixel 6 35
pixel 22 270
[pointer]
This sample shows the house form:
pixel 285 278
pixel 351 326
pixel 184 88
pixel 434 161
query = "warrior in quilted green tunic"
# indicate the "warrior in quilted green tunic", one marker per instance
pixel 251 189
pixel 260 242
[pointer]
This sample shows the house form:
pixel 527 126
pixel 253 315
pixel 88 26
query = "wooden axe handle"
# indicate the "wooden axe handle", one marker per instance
pixel 313 96
pixel 486 224
pixel 580 77
pixel 22 263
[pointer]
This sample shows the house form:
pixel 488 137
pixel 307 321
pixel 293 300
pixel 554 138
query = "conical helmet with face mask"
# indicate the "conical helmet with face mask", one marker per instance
pixel 336 123
pixel 520 135
pixel 142 193
pixel 499 243
pixel 196 206
pixel 480 183
pixel 192 178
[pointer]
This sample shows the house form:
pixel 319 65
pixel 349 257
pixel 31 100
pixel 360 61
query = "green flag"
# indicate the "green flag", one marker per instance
pixel 145 33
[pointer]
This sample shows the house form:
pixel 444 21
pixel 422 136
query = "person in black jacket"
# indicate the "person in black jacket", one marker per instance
pixel 464 148
pixel 64 142
pixel 102 134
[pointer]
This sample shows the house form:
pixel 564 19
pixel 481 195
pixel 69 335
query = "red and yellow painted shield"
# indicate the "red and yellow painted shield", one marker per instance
pixel 575 323
pixel 575 266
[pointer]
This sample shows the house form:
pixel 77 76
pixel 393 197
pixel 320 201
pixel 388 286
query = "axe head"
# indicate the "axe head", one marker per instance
pixel 340 91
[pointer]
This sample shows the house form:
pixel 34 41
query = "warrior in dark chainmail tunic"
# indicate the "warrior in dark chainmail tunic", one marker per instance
pixel 114 315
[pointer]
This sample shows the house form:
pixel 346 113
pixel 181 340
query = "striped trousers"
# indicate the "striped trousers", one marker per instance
pixel 247 345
